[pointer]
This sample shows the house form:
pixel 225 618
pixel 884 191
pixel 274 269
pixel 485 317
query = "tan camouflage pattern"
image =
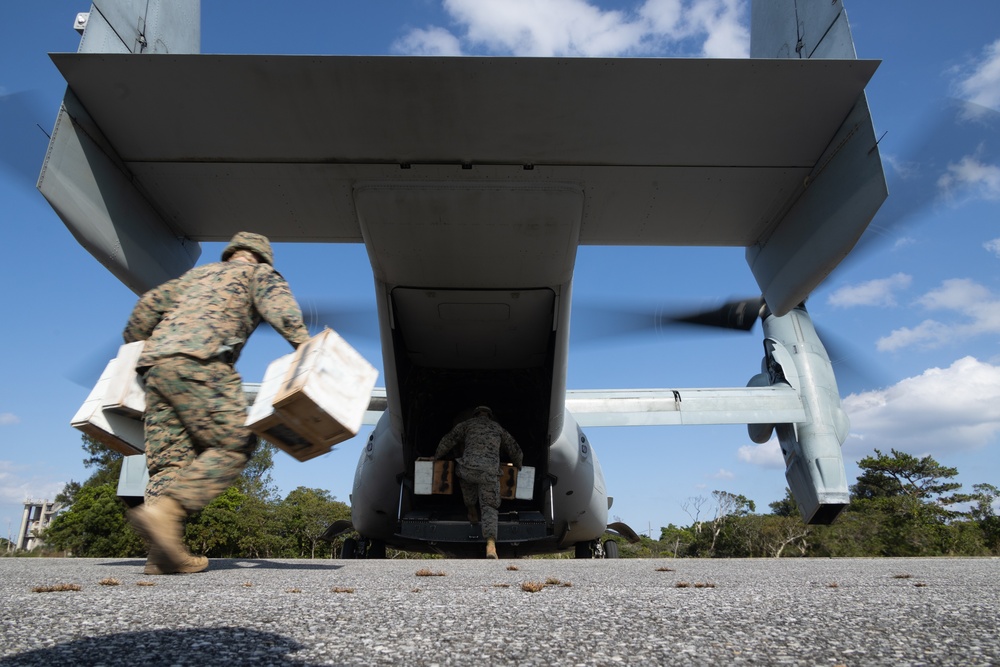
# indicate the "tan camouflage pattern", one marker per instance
pixel 479 486
pixel 249 241
pixel 196 443
pixel 211 311
pixel 195 328
pixel 478 468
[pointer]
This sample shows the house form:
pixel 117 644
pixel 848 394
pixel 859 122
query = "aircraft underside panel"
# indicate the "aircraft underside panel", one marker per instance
pixel 475 329
pixel 470 234
pixel 98 202
pixel 677 151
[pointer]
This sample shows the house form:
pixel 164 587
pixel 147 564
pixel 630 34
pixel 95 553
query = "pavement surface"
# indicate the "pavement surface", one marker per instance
pixel 476 612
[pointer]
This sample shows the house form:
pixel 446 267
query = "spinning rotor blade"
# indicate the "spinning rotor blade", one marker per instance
pixel 350 321
pixel 88 367
pixel 957 149
pixel 739 314
pixel 603 322
pixel 596 322
pixel 23 140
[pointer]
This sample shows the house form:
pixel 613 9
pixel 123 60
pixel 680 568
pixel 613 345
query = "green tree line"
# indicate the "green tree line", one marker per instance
pixel 901 505
pixel 249 520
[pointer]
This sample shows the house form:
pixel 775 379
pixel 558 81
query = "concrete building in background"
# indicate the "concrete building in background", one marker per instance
pixel 34 520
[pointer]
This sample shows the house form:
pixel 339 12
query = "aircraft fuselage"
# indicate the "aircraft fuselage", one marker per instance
pixel 473 282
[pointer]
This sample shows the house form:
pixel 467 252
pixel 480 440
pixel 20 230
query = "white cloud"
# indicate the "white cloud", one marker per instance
pixel 553 28
pixel 965 298
pixel 711 28
pixel 929 333
pixel 8 419
pixel 14 488
pixel 722 474
pixel 982 83
pixel 972 174
pixel 430 42
pixel 941 410
pixel 878 292
pixel 993 246
pixel 767 455
pixel 906 170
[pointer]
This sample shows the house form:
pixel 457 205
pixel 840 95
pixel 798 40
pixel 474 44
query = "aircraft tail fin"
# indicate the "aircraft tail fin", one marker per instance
pixel 800 29
pixel 86 181
pixel 819 224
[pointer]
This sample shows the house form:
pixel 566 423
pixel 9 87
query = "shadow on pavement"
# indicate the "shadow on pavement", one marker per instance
pixel 194 646
pixel 244 564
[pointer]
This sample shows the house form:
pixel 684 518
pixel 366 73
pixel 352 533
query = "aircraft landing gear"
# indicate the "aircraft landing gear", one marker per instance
pixel 595 549
pixel 362 548
pixel 610 549
pixel 375 549
pixel 350 548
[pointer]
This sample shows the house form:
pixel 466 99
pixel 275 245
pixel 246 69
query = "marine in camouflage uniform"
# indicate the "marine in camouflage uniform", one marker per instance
pixel 478 468
pixel 195 328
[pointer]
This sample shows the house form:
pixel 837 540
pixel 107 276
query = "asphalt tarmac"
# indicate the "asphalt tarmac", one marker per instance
pixel 476 612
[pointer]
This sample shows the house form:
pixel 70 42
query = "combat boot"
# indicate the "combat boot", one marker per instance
pixel 152 565
pixel 160 524
pixel 192 564
pixel 154 561
pixel 491 548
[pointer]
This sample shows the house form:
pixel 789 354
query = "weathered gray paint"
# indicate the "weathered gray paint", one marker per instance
pixel 88 185
pixel 823 217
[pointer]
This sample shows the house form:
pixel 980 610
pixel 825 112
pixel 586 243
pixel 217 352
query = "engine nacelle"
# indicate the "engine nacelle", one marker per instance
pixel 814 461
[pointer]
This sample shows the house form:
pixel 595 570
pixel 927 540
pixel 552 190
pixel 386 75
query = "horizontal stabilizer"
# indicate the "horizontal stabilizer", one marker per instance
pixel 288 137
pixel 656 407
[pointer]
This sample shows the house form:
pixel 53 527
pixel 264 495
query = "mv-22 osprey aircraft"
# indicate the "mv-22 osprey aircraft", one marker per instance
pixel 472 182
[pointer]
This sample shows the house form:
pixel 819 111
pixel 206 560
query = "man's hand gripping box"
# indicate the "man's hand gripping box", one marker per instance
pixel 314 398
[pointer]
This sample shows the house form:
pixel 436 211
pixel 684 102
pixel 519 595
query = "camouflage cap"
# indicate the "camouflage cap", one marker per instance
pixel 256 243
pixel 485 410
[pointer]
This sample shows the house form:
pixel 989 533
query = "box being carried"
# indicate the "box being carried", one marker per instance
pixel 516 483
pixel 314 398
pixel 112 413
pixel 433 477
pixel 126 394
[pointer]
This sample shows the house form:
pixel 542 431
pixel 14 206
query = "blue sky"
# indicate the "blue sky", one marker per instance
pixel 921 314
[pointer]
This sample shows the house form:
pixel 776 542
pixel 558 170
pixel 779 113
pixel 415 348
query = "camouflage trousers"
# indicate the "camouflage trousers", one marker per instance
pixel 196 443
pixel 482 487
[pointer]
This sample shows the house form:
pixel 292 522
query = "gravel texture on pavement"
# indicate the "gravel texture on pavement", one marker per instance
pixel 475 612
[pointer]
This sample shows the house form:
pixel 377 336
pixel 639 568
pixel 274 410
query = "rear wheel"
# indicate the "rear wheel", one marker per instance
pixel 376 550
pixel 584 550
pixel 350 548
pixel 611 549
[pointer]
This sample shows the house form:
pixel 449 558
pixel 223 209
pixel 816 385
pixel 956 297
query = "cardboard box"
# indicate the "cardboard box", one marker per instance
pixel 125 393
pixel 314 398
pixel 121 432
pixel 433 477
pixel 263 420
pixel 516 484
pixel 438 477
pixel 327 388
